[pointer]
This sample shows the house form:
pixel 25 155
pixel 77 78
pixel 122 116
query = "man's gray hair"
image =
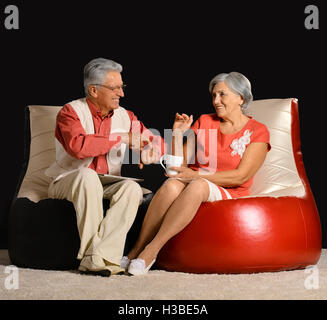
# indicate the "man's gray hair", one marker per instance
pixel 237 82
pixel 96 70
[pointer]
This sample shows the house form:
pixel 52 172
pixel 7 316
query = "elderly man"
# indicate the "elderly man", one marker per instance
pixel 91 137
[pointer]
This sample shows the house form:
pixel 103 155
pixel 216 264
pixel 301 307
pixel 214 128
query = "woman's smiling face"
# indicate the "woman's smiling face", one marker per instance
pixel 224 100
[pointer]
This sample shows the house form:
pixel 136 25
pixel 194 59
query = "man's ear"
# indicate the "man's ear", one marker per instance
pixel 93 91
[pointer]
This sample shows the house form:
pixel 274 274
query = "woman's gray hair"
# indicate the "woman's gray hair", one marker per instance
pixel 96 70
pixel 237 82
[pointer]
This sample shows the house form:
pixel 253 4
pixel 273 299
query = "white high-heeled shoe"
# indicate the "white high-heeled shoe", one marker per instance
pixel 137 267
pixel 125 262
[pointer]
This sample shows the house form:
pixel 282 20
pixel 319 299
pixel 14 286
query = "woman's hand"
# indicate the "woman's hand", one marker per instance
pixel 182 122
pixel 183 173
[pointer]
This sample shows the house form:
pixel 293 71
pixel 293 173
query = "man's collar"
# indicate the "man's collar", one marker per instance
pixel 96 112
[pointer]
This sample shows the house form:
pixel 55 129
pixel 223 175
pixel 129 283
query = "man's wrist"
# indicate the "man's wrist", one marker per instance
pixel 124 138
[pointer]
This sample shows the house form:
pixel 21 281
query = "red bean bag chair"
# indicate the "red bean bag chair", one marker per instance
pixel 276 228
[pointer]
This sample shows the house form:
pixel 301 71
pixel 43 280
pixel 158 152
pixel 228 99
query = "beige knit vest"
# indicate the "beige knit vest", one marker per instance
pixel 65 164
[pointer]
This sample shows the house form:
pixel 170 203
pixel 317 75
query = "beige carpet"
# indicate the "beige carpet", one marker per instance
pixel 32 284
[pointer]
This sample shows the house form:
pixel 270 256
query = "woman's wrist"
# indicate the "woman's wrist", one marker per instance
pixel 177 142
pixel 195 174
pixel 178 132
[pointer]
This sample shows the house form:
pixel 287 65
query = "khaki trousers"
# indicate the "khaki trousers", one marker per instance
pixel 100 236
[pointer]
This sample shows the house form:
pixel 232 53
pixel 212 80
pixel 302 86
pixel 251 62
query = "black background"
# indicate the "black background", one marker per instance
pixel 169 51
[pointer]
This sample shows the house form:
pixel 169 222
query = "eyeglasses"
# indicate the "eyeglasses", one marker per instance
pixel 122 87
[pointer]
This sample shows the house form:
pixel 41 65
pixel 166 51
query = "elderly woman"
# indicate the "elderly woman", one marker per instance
pixel 230 147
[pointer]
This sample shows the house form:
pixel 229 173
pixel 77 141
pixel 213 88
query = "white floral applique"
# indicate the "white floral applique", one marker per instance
pixel 238 145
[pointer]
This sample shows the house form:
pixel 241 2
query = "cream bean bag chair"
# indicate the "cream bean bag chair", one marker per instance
pixel 43 232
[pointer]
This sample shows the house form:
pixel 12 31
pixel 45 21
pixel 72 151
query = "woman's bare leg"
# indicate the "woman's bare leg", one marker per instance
pixel 158 207
pixel 178 216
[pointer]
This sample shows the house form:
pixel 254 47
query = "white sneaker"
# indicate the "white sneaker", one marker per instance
pixel 124 263
pixel 137 267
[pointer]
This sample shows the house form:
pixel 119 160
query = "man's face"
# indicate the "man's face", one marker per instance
pixel 107 95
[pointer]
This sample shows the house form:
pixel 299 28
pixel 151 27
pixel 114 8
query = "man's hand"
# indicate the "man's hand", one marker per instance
pixel 136 141
pixel 149 155
pixel 142 143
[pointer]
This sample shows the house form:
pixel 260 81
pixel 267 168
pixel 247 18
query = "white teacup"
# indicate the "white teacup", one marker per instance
pixel 171 161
